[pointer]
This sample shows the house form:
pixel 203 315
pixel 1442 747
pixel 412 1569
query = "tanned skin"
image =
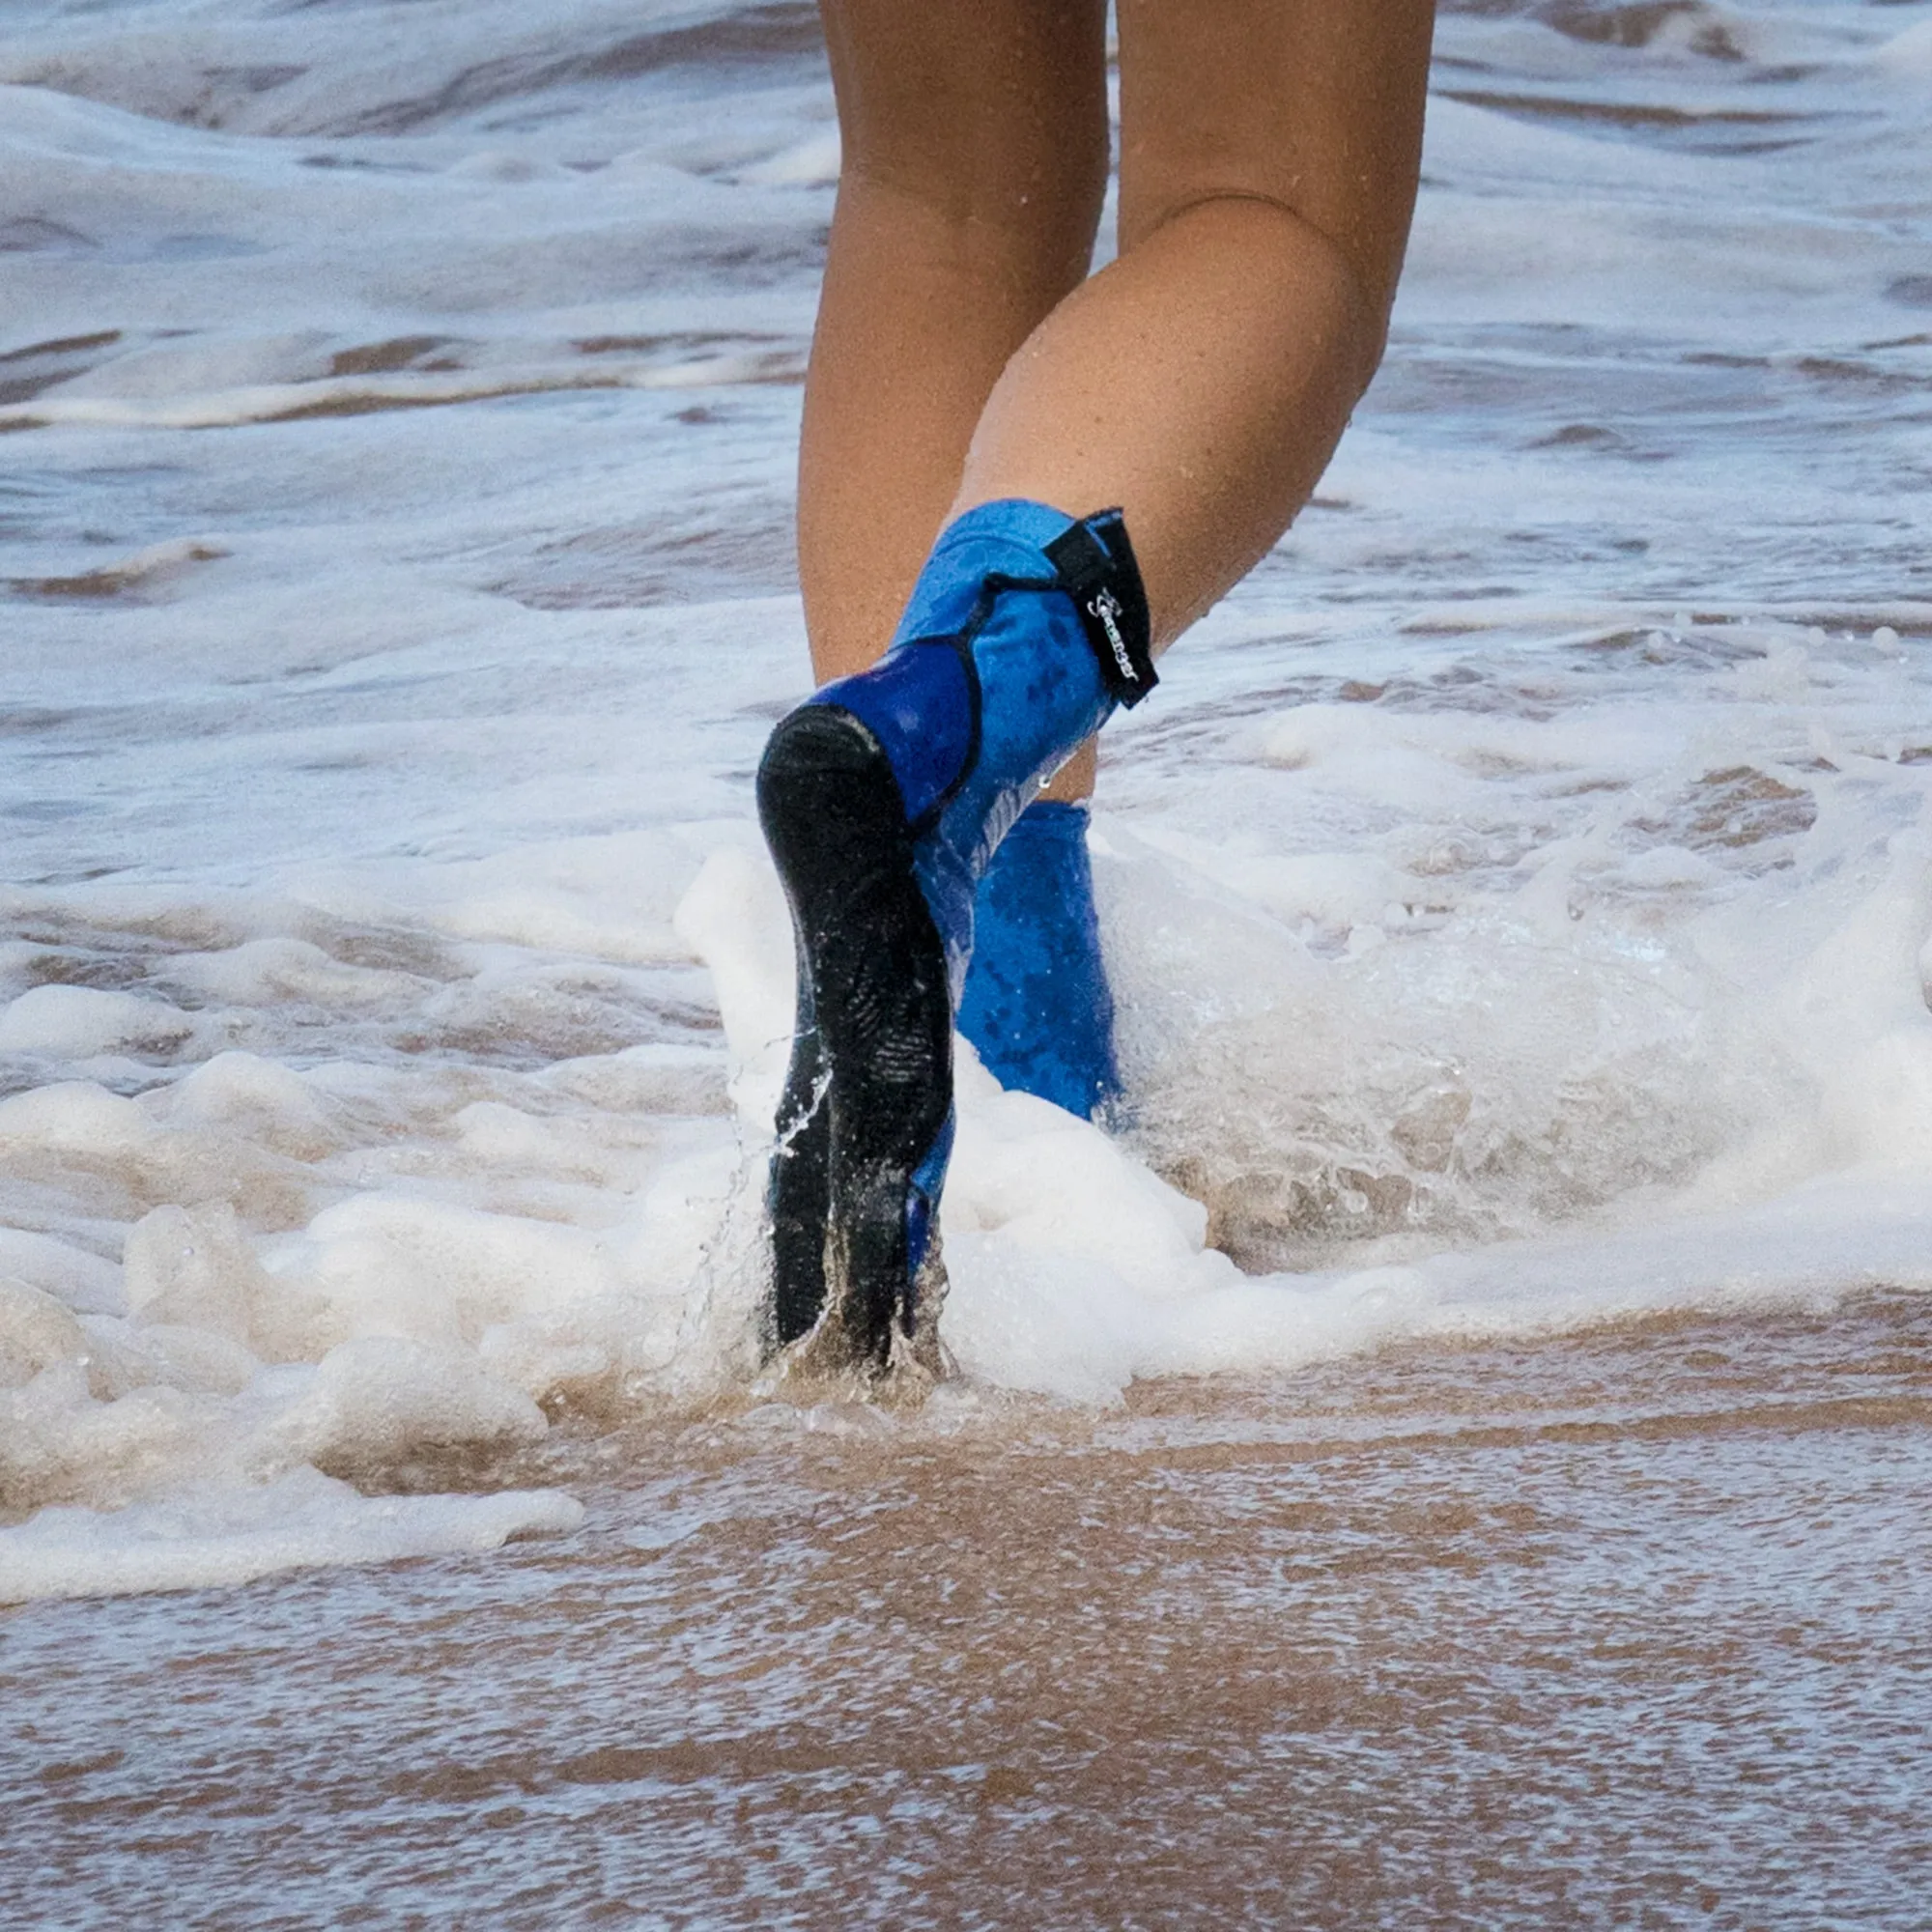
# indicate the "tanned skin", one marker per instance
pixel 1270 150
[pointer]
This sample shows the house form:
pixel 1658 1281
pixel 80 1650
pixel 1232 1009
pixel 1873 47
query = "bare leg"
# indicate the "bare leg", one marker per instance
pixel 1271 151
pixel 1267 172
pixel 1269 169
pixel 975 138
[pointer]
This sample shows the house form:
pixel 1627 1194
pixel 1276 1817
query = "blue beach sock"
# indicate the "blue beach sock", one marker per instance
pixel 1024 630
pixel 1037 1007
pixel 884 799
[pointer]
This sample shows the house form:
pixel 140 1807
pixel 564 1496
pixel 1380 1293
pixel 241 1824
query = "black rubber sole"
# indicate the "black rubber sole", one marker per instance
pixel 871 1083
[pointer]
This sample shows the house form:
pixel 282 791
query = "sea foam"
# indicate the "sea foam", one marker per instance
pixel 1516 897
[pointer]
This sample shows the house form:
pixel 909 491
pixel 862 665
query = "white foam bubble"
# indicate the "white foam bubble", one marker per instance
pixel 36 1331
pixel 79 1022
pixel 75 1277
pixel 219 1537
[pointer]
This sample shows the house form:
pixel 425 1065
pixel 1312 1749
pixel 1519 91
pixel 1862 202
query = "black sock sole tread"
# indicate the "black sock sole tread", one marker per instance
pixel 872 1078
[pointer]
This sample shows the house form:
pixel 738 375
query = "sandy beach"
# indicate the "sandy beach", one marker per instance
pixel 1449 1451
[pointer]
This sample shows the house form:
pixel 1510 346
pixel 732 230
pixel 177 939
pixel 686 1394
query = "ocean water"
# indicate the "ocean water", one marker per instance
pixel 1453 1450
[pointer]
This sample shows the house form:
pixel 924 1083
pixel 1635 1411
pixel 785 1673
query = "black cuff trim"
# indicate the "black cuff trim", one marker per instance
pixel 1094 564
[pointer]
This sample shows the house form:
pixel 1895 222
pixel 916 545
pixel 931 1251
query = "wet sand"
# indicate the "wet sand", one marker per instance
pixel 1623 1627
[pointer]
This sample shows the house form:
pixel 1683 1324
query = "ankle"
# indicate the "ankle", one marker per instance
pixel 1026 627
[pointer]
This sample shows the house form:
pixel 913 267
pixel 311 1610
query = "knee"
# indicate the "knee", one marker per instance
pixel 1282 241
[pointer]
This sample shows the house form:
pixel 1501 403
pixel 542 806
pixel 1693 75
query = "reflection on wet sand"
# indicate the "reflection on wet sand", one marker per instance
pixel 1618 1628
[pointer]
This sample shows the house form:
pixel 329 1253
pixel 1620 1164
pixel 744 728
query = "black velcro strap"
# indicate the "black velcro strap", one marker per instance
pixel 1095 564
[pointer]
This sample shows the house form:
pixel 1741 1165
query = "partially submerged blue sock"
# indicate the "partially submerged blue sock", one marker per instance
pixel 885 797
pixel 1025 629
pixel 1037 1007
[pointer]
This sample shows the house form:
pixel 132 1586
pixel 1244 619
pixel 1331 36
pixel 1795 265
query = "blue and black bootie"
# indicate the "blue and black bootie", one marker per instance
pixel 1037 1007
pixel 884 798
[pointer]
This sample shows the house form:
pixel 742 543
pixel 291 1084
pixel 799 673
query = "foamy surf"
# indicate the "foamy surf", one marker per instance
pixel 211 1537
pixel 462 1258
pixel 1517 898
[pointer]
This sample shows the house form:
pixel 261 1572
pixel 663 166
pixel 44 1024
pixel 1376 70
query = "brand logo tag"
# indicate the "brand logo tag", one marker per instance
pixel 1106 607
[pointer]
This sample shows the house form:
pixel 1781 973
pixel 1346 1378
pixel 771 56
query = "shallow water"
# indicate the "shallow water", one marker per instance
pixel 1448 1454
pixel 1624 1628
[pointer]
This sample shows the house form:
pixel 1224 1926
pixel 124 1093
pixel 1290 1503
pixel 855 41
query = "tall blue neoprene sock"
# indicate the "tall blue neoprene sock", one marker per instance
pixel 884 799
pixel 1037 1007
pixel 993 677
